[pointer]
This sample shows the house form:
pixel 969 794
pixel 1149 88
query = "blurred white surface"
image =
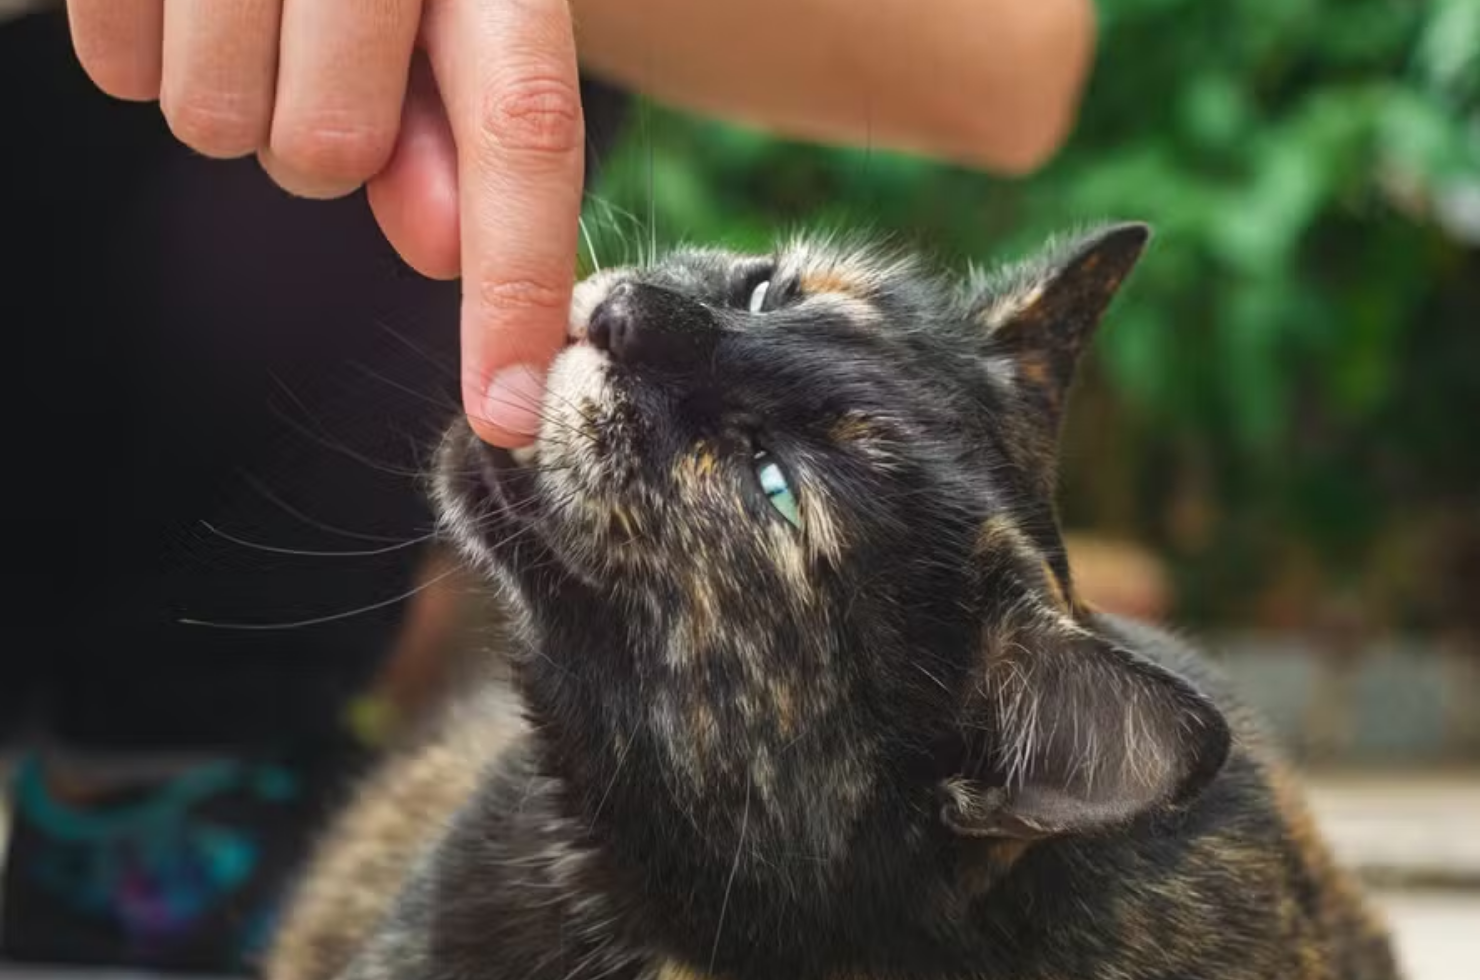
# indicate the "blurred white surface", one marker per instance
pixel 1423 824
pixel 1438 934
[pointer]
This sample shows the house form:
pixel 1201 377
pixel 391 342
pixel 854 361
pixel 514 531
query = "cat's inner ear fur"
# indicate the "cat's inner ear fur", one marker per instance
pixel 1037 317
pixel 1074 734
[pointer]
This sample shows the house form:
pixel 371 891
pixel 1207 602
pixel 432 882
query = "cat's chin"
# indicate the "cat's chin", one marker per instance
pixel 489 497
pixel 484 494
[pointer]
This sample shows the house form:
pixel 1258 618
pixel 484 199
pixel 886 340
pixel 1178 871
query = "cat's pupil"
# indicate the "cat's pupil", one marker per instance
pixel 758 296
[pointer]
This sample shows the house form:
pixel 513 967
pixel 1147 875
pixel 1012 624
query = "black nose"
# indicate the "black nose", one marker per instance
pixel 638 323
pixel 613 322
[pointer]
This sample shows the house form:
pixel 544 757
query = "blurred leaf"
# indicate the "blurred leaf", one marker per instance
pixel 1448 52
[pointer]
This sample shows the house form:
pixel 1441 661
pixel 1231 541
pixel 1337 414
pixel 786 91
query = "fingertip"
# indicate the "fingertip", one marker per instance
pixel 496 436
pixel 510 405
pixel 300 184
pixel 128 80
pixel 507 410
pixel 118 44
pixel 423 243
pixel 415 197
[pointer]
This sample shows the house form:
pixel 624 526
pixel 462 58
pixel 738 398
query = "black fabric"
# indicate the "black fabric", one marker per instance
pixel 188 344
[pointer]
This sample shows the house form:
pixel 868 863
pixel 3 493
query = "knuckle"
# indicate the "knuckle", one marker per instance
pixel 500 295
pixel 534 114
pixel 335 151
pixel 214 124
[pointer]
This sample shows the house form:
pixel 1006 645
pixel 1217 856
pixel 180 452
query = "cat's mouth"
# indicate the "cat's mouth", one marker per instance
pixel 557 488
pixel 487 488
pixel 509 477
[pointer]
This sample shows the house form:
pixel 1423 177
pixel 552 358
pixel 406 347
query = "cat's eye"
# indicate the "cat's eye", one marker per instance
pixel 757 302
pixel 777 489
pixel 755 287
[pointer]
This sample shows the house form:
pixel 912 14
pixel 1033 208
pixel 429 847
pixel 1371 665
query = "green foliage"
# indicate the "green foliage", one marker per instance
pixel 1303 312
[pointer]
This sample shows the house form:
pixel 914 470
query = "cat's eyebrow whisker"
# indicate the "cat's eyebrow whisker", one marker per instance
pixel 621 220
pixel 331 618
pixel 652 191
pixel 590 248
pixel 311 553
pixel 625 225
pixel 615 210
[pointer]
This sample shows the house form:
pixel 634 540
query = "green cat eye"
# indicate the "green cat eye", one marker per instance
pixel 778 491
pixel 758 295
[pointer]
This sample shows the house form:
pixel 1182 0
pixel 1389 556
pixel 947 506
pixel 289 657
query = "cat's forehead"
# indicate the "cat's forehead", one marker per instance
pixel 814 264
pixel 825 264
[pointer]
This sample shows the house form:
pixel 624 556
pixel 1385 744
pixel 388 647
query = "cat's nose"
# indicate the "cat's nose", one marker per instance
pixel 642 324
pixel 614 322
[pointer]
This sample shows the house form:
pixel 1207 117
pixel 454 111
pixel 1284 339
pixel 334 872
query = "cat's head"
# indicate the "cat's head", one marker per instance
pixel 788 532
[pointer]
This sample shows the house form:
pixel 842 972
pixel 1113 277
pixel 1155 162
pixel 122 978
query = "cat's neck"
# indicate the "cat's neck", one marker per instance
pixel 648 885
pixel 724 879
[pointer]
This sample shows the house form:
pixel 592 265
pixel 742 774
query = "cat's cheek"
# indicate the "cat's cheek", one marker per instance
pixel 578 395
pixel 789 556
pixel 579 374
pixel 823 532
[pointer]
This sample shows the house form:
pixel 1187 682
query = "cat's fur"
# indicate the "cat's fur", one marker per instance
pixel 887 742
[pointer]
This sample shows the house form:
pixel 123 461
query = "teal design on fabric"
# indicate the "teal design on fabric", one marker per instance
pixel 153 867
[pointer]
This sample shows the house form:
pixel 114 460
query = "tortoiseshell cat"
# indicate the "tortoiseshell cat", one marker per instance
pixel 804 689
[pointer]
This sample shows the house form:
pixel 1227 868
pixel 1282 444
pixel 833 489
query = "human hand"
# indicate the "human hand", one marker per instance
pixel 474 166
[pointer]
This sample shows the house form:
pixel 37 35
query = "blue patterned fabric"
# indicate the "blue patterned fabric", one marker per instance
pixel 157 871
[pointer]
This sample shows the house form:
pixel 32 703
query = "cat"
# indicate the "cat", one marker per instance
pixel 804 687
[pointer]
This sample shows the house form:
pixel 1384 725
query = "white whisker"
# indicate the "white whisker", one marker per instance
pixel 318 620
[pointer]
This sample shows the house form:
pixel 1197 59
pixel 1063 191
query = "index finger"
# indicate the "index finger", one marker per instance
pixel 508 74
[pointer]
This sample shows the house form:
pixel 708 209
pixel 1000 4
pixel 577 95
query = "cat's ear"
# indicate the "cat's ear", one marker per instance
pixel 1037 317
pixel 1078 734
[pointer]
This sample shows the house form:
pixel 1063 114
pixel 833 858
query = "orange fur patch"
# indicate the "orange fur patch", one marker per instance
pixel 1054 586
pixel 1034 370
pixel 830 281
pixel 852 427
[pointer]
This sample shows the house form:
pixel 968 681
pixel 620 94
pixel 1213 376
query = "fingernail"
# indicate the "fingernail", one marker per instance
pixel 514 398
